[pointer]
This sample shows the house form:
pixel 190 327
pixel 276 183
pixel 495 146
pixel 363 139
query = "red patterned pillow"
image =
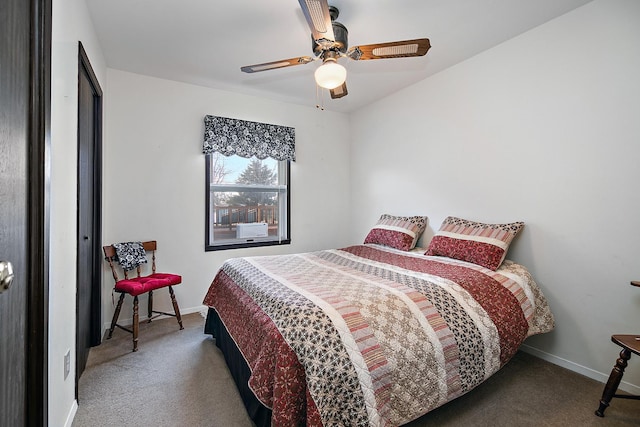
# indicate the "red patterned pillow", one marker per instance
pixel 400 232
pixel 475 242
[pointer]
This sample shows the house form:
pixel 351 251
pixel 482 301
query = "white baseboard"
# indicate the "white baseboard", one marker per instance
pixel 582 370
pixel 128 321
pixel 72 414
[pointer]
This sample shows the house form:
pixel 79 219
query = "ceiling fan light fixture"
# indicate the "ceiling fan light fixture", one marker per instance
pixel 329 42
pixel 330 75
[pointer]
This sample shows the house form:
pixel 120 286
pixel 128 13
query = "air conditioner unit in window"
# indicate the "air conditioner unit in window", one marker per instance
pixel 250 230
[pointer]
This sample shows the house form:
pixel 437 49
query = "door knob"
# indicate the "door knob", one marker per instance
pixel 6 275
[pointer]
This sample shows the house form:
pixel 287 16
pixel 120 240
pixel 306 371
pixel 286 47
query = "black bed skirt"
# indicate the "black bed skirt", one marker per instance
pixel 260 414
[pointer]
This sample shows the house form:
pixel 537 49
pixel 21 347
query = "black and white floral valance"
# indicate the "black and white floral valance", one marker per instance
pixel 247 139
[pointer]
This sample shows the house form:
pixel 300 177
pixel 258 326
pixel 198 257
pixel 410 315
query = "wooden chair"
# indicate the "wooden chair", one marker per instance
pixel 630 344
pixel 138 285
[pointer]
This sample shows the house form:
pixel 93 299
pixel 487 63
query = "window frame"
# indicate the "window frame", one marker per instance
pixel 286 164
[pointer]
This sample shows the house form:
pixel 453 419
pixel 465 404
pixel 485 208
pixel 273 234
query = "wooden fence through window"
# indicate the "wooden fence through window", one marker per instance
pixel 232 215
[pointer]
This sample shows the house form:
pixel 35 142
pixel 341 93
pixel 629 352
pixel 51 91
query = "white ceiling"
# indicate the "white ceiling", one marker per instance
pixel 205 42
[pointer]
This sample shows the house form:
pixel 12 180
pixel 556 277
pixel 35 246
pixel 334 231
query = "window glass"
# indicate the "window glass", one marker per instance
pixel 247 202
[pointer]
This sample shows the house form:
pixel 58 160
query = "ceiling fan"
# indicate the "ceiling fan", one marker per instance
pixel 329 43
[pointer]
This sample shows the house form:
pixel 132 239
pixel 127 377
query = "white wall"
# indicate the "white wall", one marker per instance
pixel 543 128
pixel 71 24
pixel 154 177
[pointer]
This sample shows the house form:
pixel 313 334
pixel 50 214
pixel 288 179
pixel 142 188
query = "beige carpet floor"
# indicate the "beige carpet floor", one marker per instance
pixel 179 378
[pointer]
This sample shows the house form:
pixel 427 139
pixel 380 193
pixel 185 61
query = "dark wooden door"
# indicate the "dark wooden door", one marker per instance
pixel 88 331
pixel 24 110
pixel 14 105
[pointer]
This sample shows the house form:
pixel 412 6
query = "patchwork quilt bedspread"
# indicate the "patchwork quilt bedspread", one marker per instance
pixel 372 336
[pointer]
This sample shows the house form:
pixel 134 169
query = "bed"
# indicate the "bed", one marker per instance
pixel 368 334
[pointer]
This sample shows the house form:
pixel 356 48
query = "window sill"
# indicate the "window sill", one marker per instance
pixel 239 245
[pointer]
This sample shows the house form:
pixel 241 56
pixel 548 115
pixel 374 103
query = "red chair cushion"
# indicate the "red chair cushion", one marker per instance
pixel 174 279
pixel 140 285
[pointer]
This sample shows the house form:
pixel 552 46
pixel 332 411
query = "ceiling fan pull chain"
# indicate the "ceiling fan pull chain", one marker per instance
pixel 319 98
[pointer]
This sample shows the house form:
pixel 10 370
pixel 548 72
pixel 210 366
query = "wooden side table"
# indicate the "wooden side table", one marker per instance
pixel 630 344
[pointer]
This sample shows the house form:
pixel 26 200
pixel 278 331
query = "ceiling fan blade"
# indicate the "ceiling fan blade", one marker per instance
pixel 276 64
pixel 317 14
pixel 399 49
pixel 339 92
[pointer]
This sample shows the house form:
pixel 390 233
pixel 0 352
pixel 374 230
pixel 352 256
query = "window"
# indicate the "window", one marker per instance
pixel 247 182
pixel 247 202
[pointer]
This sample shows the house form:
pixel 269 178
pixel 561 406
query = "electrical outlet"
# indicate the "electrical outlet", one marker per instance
pixel 67 364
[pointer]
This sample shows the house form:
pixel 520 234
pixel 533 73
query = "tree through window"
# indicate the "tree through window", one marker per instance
pixel 247 202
